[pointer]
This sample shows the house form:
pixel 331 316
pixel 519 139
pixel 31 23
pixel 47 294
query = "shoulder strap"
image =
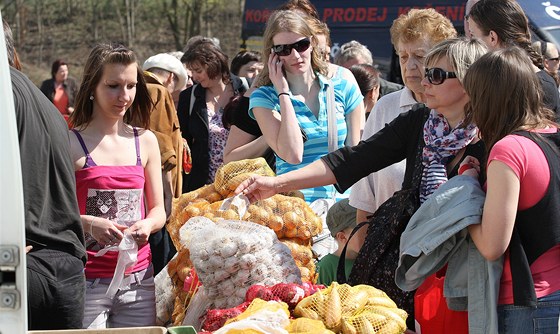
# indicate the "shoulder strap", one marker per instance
pixel 137 144
pixel 332 132
pixel 192 99
pixel 341 268
pixel 81 140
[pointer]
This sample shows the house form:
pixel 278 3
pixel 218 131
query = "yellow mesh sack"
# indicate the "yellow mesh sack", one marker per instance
pixel 230 175
pixel 359 309
pixel 307 326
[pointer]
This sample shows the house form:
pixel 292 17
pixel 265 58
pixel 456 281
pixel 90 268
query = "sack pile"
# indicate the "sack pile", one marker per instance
pixel 288 215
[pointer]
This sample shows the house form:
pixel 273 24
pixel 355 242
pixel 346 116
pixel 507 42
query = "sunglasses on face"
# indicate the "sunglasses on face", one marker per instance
pixel 286 49
pixel 554 59
pixel 436 76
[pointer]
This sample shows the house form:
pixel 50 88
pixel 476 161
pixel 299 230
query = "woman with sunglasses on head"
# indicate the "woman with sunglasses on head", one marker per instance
pixel 502 23
pixel 291 102
pixel 119 187
pixel 445 140
pixel 520 216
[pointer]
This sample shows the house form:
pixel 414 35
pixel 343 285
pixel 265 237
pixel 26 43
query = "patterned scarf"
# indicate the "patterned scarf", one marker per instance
pixel 442 144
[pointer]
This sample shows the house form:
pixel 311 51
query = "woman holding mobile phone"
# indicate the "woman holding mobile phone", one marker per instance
pixel 292 98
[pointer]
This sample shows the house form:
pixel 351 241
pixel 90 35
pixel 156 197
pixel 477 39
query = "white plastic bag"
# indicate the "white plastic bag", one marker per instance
pixel 128 254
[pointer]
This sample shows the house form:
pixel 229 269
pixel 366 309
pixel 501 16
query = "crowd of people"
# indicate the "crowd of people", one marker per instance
pixel 480 109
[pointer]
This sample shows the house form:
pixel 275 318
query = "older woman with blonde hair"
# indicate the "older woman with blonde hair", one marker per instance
pixel 413 35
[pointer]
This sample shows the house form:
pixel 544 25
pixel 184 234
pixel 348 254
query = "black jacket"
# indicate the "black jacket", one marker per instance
pixel 70 87
pixel 194 128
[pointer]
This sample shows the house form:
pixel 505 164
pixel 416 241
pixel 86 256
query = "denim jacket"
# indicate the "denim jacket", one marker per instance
pixel 437 235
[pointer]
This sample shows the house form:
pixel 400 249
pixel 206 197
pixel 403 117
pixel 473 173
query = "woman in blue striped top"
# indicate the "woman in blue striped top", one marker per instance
pixel 291 98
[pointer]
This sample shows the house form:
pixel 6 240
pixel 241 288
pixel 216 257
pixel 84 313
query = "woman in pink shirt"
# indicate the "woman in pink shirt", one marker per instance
pixel 522 208
pixel 119 187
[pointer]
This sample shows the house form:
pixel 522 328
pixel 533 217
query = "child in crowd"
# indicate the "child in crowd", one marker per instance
pixel 341 219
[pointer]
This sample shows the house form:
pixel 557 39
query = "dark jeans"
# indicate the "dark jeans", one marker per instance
pixel 526 320
pixel 55 290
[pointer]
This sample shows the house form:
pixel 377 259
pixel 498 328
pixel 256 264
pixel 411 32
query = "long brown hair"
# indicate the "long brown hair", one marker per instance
pixel 505 95
pixel 289 21
pixel 101 55
pixel 507 19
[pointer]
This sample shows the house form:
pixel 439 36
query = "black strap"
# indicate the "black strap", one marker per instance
pixel 341 268
pixel 522 279
pixel 415 182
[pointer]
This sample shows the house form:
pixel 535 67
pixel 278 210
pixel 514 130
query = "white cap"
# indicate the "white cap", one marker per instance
pixel 169 63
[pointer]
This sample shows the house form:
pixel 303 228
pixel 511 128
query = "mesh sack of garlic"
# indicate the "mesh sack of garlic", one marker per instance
pixel 231 255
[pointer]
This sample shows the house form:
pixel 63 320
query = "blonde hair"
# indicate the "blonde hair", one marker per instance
pixel 461 53
pixel 289 21
pixel 421 23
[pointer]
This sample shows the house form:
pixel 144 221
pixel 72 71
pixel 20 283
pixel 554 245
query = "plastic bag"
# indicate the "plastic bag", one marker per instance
pixel 128 254
pixel 266 317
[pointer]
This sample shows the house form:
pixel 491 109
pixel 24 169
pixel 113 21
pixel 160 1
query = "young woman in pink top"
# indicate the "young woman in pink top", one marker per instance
pixel 119 187
pixel 522 208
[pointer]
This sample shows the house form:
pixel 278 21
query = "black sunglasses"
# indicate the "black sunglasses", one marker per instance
pixel 554 59
pixel 436 76
pixel 285 49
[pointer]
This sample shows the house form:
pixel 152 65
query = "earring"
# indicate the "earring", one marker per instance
pixel 91 97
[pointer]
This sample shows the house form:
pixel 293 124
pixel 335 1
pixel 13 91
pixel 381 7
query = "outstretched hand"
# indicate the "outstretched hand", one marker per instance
pixel 257 187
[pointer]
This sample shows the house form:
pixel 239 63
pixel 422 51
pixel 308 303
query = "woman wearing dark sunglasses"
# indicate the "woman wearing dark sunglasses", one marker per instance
pixel 292 98
pixel 444 141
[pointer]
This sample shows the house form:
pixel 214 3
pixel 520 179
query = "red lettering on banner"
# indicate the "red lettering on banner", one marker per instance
pixel 361 14
pixel 371 14
pixel 349 14
pixel 384 16
pixel 440 9
pixel 403 10
pixel 327 13
pixel 338 13
pixel 453 13
pixel 257 15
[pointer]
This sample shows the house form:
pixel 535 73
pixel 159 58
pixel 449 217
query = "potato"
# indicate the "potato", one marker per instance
pixel 275 223
pixel 290 233
pixel 290 220
pixel 213 197
pixel 270 203
pixel 230 214
pixel 285 206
